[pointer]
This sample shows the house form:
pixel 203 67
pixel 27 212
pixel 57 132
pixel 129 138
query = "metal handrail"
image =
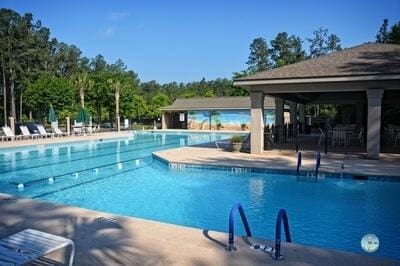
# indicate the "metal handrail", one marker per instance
pixel 298 163
pixel 238 207
pixel 317 164
pixel 282 217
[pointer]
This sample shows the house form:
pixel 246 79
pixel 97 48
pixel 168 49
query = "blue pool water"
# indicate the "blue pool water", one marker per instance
pixel 330 213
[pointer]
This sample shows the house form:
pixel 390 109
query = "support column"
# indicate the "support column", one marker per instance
pixel 293 111
pixel 257 123
pixel 302 116
pixel 118 123
pixel 68 122
pixel 279 120
pixel 359 113
pixel 12 124
pixel 374 122
pixel 163 121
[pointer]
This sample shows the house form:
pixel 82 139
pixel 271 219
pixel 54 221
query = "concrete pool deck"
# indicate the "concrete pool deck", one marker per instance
pixel 106 239
pixel 388 165
pixel 66 139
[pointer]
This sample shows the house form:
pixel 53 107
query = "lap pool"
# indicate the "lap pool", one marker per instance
pixel 121 177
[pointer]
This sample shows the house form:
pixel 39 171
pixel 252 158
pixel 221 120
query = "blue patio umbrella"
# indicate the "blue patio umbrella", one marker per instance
pixel 83 116
pixel 52 115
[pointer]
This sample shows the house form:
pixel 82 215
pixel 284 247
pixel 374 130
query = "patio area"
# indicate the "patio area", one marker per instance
pixel 106 239
pixel 388 165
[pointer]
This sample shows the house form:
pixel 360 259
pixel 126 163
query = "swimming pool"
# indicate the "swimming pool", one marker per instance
pixel 332 213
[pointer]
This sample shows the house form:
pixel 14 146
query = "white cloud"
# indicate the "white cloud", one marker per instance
pixel 115 16
pixel 108 31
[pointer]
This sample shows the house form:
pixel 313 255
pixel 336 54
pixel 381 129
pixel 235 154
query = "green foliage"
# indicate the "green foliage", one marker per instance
pixel 388 36
pixel 49 90
pixel 259 56
pixel 321 43
pixel 328 110
pixel 286 50
pixel 209 93
pixel 382 35
pixel 160 100
pixel 236 139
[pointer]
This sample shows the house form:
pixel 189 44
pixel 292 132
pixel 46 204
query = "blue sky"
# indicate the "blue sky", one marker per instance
pixel 185 41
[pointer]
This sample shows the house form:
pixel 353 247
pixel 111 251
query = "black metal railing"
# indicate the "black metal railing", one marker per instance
pixel 390 140
pixel 334 140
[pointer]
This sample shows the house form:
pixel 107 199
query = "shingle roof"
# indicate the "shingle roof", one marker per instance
pixel 365 59
pixel 215 103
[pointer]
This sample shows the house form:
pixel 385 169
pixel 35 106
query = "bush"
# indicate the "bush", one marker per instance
pixel 236 139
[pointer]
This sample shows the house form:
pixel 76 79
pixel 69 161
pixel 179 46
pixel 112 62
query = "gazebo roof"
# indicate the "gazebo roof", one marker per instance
pixel 369 59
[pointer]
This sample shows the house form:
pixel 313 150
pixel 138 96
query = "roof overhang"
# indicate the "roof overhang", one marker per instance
pixel 252 82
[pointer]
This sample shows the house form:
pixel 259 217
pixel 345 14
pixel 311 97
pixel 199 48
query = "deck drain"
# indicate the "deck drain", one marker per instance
pixel 11 200
pixel 106 220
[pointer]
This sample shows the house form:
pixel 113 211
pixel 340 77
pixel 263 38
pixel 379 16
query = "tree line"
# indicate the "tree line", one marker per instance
pixel 38 71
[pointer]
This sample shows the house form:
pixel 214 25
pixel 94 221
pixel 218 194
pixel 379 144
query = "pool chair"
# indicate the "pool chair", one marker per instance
pixel 58 133
pixel 43 133
pixel 8 134
pixel 26 134
pixel 30 246
pixel 77 128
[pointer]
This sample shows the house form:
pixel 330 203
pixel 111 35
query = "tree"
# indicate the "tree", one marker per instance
pixel 391 36
pixel 394 34
pixel 322 43
pixel 158 101
pixel 286 50
pixel 98 63
pixel 209 93
pixel 382 35
pixel 81 82
pixel 333 43
pixel 49 90
pixel 259 56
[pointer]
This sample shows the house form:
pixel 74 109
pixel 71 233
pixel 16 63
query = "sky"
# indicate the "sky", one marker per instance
pixel 185 41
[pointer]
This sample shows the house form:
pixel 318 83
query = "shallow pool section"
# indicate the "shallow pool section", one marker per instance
pixel 121 177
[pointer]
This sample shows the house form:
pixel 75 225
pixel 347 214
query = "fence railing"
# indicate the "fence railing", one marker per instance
pixel 335 140
pixel 390 140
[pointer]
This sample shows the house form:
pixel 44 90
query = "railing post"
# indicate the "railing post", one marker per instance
pixel 317 164
pixel 326 141
pixel 296 137
pixel 231 239
pixel 298 164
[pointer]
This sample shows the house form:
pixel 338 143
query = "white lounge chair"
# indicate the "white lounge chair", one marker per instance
pixel 8 134
pixel 77 128
pixel 43 132
pixel 30 245
pixel 26 134
pixel 58 132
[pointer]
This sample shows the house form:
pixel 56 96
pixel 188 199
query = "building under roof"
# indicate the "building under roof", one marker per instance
pixel 228 113
pixel 217 103
pixel 367 76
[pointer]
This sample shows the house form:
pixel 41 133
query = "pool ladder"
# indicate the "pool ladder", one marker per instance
pixel 281 218
pixel 317 164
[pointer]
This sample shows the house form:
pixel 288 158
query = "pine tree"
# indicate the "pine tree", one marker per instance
pixel 259 56
pixel 382 35
pixel 286 50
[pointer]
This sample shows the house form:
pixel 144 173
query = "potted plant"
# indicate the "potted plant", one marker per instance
pixel 236 142
pixel 219 125
pixel 244 126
